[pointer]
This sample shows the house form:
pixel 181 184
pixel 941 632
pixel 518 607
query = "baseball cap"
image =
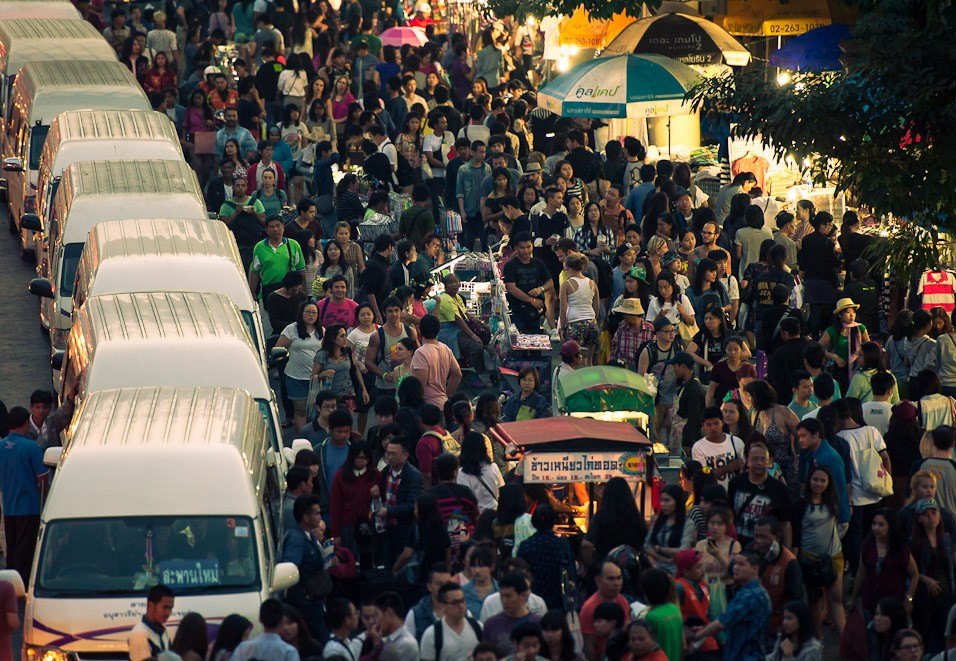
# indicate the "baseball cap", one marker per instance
pixel 682 358
pixel 570 349
pixel 363 43
pixel 662 323
pixel 926 504
pixel 905 411
pixel 686 559
pixel 210 70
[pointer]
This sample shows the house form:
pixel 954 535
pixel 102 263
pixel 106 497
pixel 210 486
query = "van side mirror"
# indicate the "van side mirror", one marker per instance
pixel 12 576
pixel 51 456
pixel 12 164
pixel 284 576
pixel 213 215
pixel 278 356
pixel 31 221
pixel 41 287
pixel 56 360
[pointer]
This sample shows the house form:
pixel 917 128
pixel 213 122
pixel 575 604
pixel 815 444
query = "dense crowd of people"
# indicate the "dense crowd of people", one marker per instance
pixel 818 488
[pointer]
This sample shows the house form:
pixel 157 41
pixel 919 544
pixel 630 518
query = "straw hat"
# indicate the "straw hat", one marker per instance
pixel 629 306
pixel 843 304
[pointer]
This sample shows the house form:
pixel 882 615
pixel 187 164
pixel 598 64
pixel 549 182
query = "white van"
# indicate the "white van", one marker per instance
pixel 125 256
pixel 165 339
pixel 64 9
pixel 110 135
pixel 90 193
pixel 42 92
pixel 31 38
pixel 154 485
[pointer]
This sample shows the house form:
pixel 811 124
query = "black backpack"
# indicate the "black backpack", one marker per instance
pixel 440 634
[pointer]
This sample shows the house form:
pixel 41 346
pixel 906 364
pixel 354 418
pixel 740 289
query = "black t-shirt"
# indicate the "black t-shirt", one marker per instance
pixel 283 309
pixel 765 284
pixel 376 281
pixel 267 80
pixel 249 115
pixel 864 294
pixel 528 276
pixel 544 228
pixel 751 501
pixel 583 163
pixel 614 171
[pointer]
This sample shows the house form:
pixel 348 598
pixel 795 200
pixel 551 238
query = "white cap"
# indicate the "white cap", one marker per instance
pixel 210 70
pixel 423 7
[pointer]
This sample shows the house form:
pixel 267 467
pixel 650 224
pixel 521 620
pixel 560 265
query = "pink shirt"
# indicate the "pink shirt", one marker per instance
pixel 439 363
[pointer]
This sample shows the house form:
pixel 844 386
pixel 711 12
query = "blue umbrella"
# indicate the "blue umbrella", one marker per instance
pixel 816 50
pixel 621 86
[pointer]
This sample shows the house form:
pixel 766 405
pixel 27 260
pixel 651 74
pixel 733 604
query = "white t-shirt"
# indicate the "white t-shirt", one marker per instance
pixel 454 646
pixel 732 287
pixel 877 414
pixel 860 439
pixel 486 488
pixel 718 455
pixel 491 606
pixel 670 310
pixel 301 353
pixel 433 144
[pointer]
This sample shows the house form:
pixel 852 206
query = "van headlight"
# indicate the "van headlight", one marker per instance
pixel 40 653
pixel 59 338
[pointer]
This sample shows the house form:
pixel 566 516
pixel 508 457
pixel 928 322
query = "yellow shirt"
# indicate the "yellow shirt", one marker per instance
pixel 449 308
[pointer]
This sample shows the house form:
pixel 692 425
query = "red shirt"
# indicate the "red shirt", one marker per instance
pixel 587 618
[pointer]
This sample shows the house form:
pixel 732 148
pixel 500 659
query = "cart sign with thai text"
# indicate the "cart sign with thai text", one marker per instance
pixel 549 467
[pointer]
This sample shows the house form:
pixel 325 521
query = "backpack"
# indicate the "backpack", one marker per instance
pixel 448 442
pixel 440 634
pixel 381 341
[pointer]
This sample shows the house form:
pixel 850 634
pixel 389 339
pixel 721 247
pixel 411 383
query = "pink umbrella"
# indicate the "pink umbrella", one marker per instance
pixel 403 35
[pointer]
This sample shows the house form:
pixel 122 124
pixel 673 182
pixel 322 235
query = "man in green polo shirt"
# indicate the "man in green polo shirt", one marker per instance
pixel 272 258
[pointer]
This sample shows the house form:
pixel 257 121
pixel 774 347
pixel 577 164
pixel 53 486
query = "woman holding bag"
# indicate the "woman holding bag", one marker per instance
pixel 335 364
pixel 455 330
pixel 478 472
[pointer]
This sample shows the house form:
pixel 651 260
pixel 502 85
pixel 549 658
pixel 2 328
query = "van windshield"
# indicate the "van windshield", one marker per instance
pixel 129 555
pixel 71 261
pixel 265 410
pixel 37 138
pixel 250 322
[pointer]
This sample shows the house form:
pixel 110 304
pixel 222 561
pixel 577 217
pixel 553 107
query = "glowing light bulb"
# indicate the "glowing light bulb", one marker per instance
pixel 783 78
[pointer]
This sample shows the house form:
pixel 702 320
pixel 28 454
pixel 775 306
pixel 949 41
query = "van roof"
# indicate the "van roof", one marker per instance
pixel 166 338
pixel 55 86
pixel 112 125
pixel 129 177
pixel 199 445
pixel 164 255
pixel 39 9
pixel 25 40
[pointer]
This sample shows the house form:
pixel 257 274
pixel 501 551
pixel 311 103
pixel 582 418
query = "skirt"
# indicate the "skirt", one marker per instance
pixel 296 389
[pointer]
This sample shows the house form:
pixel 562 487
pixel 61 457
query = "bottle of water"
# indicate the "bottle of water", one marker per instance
pixel 379 521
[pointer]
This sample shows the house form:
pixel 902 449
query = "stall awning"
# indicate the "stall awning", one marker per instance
pixel 771 18
pixel 567 432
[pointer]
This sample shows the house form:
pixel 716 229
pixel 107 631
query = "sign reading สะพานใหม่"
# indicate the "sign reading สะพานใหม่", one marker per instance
pixel 549 467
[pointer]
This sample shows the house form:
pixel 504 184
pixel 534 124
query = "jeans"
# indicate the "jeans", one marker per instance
pixel 475 229
pixel 327 221
pixel 859 526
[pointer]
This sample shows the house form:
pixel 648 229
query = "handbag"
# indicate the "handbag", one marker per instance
pixel 818 571
pixel 318 585
pixel 873 475
pixel 687 331
pixel 480 329
pixel 324 204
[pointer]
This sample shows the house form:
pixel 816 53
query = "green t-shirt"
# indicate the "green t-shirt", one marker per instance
pixel 668 625
pixel 841 342
pixel 449 308
pixel 801 411
pixel 273 263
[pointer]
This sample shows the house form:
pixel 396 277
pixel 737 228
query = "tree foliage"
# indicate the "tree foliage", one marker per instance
pixel 882 127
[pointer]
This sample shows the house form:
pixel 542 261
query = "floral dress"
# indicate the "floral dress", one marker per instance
pixel 411 149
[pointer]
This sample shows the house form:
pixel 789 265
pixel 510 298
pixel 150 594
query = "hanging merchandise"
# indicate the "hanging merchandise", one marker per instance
pixel 938 289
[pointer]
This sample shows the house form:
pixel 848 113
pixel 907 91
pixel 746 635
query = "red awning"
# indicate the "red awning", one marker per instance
pixel 570 429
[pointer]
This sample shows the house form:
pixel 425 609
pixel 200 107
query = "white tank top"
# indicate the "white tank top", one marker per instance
pixel 580 302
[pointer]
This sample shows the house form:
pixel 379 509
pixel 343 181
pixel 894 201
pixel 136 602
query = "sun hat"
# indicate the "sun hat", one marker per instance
pixel 630 306
pixel 843 304
pixel 533 166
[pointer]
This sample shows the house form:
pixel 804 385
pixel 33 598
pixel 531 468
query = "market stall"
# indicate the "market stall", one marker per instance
pixel 605 393
pixel 563 450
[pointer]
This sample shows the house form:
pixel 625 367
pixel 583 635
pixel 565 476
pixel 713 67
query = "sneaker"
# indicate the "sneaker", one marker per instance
pixel 554 335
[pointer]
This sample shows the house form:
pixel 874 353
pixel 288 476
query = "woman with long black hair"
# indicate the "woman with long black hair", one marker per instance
pixel 796 640
pixel 819 263
pixel 706 291
pixel 617 521
pixel 478 472
pixel 671 530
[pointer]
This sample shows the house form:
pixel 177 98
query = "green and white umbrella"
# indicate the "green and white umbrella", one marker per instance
pixel 621 86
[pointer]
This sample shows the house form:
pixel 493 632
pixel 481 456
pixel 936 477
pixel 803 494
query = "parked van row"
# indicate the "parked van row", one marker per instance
pixel 171 470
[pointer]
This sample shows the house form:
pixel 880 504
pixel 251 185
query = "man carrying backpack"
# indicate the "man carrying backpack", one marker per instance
pixel 434 441
pixel 456 634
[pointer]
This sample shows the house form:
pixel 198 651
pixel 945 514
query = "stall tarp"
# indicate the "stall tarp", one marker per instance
pixel 772 18
pixel 602 388
pixel 581 30
pixel 566 433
